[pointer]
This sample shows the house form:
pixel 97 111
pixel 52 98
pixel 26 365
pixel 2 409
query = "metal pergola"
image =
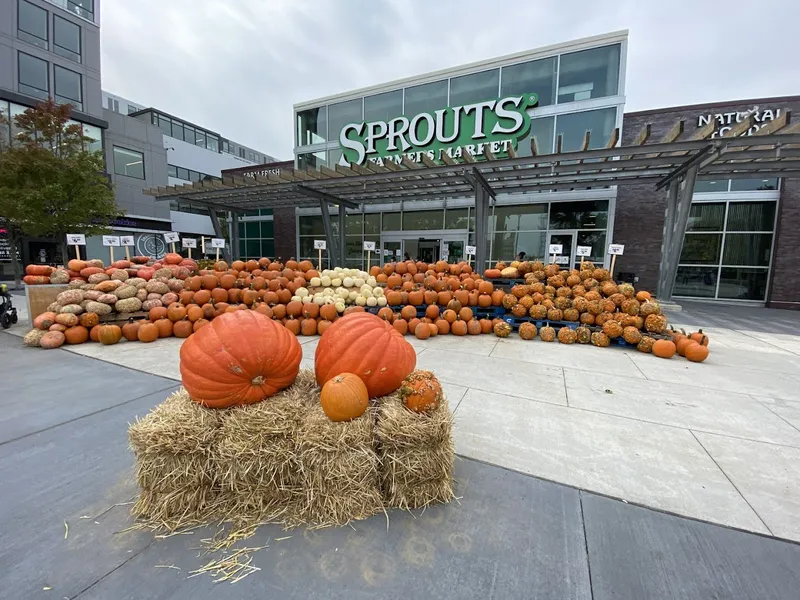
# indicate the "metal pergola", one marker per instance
pixel 669 163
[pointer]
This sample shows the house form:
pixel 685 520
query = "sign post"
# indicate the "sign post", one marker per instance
pixel 470 252
pixel 77 240
pixel 319 246
pixel 615 250
pixel 583 251
pixel 189 243
pixel 217 243
pixel 203 245
pixel 369 247
pixel 127 241
pixel 171 237
pixel 111 241
pixel 554 250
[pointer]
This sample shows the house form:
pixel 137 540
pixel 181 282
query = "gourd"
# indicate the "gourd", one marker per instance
pixel 109 334
pixel 344 397
pixel 664 348
pixel 52 339
pixel 421 391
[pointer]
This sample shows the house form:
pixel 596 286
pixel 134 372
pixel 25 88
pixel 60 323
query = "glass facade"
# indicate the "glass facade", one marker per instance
pixel 257 239
pixel 128 162
pixel 33 77
pixel 68 87
pixel 32 24
pixel 9 130
pixel 181 130
pixel 727 250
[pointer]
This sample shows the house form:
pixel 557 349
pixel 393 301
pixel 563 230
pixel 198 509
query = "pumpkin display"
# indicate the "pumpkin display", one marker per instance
pixel 502 329
pixel 696 352
pixel 547 334
pixel 344 397
pixel 421 391
pixel 566 335
pixel 109 334
pixel 527 331
pixel 664 348
pixel 51 340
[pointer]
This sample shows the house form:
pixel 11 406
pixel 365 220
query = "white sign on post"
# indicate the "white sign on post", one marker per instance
pixel 111 240
pixel 562 260
pixel 189 243
pixel 445 256
pixel 171 237
pixel 217 242
pixel 583 251
pixel 555 249
pixel 320 245
pixel 126 240
pixel 617 249
pixel 396 253
pixel 470 250
pixel 370 246
pixel 76 239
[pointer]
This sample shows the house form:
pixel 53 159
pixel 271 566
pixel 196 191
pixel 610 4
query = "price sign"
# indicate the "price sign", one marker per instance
pixel 396 253
pixel 189 243
pixel 111 240
pixel 217 242
pixel 445 256
pixel 369 246
pixel 555 249
pixel 617 249
pixel 583 251
pixel 126 240
pixel 387 252
pixel 76 239
pixel 320 245
pixel 171 237
pixel 562 260
pixel 470 250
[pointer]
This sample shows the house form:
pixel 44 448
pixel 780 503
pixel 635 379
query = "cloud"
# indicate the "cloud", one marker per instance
pixel 238 67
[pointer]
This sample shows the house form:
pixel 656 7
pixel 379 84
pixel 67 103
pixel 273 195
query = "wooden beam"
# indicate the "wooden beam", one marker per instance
pixel 489 154
pixel 408 163
pixel 534 149
pixel 643 135
pixel 587 138
pixel 329 172
pixel 613 140
pixel 391 165
pixel 468 158
pixel 742 127
pixel 313 173
pixel 705 131
pixel 674 132
pixel 776 124
pixel 345 170
pixel 427 160
pixel 447 159
pixel 511 152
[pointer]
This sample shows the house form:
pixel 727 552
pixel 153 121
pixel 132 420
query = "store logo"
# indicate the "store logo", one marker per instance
pixel 150 244
pixel 494 125
pixel 728 119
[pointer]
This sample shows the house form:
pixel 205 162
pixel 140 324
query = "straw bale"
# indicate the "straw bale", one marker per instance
pixel 416 453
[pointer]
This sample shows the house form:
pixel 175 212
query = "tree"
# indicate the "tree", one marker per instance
pixel 50 184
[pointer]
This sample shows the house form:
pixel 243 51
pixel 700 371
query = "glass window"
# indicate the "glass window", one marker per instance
pixel 531 243
pixel 33 80
pixel 706 216
pixel 749 249
pixel 252 229
pixel 383 107
pixel 313 160
pixel 476 87
pixel 32 24
pixel 537 76
pixel 268 247
pixel 743 284
pixel 189 134
pixel 265 212
pixel 542 132
pixel 82 8
pixel 68 87
pixel 243 248
pixel 456 218
pixel 312 126
pixel 199 138
pixel 696 281
pixel 66 39
pixel 716 185
pixel 165 124
pixel 267 229
pixel 354 247
pixel 253 248
pixel 334 156
pixel 307 248
pixel 513 218
pixel 596 240
pixel 504 246
pixel 96 135
pixel 172 171
pixel 589 74
pixel 372 223
pixel 391 221
pixel 342 114
pixel 752 185
pixel 128 162
pixel 591 214
pixel 701 248
pixel 5 125
pixel 311 225
pixel 353 223
pixel 183 173
pixel 422 219
pixel 751 216
pixel 194 175
pixel 425 98
pixel 212 142
pixel 132 109
pixel 573 127
pixel 177 130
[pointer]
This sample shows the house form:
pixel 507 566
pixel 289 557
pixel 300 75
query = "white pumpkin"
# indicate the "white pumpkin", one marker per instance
pixel 302 292
pixel 381 300
pixel 377 292
pixel 372 282
pixel 295 298
pixel 347 282
pixel 339 307
pixel 361 300
pixel 328 292
pixel 352 296
pixel 336 282
pixel 358 282
pixel 319 299
pixel 315 282
pixel 372 301
pixel 325 281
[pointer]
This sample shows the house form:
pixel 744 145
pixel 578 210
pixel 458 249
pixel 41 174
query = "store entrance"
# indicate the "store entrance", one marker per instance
pixel 566 240
pixel 428 247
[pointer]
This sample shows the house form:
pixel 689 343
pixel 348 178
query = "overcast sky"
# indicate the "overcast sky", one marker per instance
pixel 238 66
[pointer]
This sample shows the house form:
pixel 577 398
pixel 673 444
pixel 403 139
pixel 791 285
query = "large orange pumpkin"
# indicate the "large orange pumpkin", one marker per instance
pixel 344 397
pixel 367 346
pixel 240 357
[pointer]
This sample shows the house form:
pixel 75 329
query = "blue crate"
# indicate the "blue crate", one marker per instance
pixel 515 322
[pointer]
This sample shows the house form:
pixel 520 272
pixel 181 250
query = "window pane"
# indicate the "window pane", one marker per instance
pixel 701 249
pixel 391 221
pixel 253 248
pixel 372 223
pixel 128 162
pixel 313 160
pixel 425 98
pixel 477 87
pixel 751 216
pixel 165 124
pixel 751 249
pixel 743 284
pixel 596 240
pixel 172 171
pixel 343 114
pixel 700 282
pixel 751 185
pixel 456 218
pixel 82 8
pixel 706 217
pixel 268 248
pixel 66 39
pixel 177 130
pixel 194 176
pixel 512 218
pixel 542 131
pixel 579 215
pixel 422 219
pixel 252 229
pixel 312 126
pixel 212 143
pixel 504 246
pixel 354 247
pixel 242 249
pixel 589 74
pixel 199 138
pixel 383 107
pixel 32 24
pixel 33 79
pixel 183 173
pixel 311 225
pixel 68 86
pixel 334 156
pixel 573 128
pixel 267 229
pixel 353 223
pixel 538 77
pixel 717 185
pixel 96 135
pixel 532 243
pixel 307 248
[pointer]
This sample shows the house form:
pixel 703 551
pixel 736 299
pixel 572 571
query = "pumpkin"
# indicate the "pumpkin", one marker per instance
pixel 344 397
pixel 432 312
pixel 33 337
pixel 699 337
pixel 401 326
pixel 89 319
pixel 67 319
pixel 646 344
pixel 40 270
pixel 172 258
pixel 408 312
pixel 156 313
pixel 182 329
pixel 76 335
pixel 367 346
pixel 567 335
pixel 600 339
pixel 328 312
pixel 458 328
pixel 664 349
pixel 465 314
pixel 474 327
pixel 199 324
pixel 239 358
pixel 386 314
pixel 108 334
pixel 442 326
pixel 45 320
pixel 147 332
pixel 696 352
pixel 52 339
pixel 164 327
pixel 292 325
pixel 681 343
pixel 130 331
pixel 502 329
pixel 422 331
pixel 421 391
pixel 308 327
pixel 643 296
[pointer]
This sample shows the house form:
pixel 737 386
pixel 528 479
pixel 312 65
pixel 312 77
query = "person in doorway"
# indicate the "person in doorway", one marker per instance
pixel 406 256
pixel 521 256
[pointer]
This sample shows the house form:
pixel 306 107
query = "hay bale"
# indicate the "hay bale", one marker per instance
pixel 416 453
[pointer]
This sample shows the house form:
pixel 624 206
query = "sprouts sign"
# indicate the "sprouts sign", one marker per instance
pixel 494 125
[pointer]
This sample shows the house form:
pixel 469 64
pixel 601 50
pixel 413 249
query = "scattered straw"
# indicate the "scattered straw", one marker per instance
pixel 66 530
pixel 230 567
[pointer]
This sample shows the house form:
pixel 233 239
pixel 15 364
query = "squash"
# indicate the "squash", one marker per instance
pixel 109 334
pixel 367 346
pixel 664 349
pixel 421 391
pixel 45 320
pixel 344 398
pixel 458 328
pixel 696 352
pixel 164 327
pixel 52 339
pixel 76 335
pixel 147 332
pixel 239 358
pixel 130 331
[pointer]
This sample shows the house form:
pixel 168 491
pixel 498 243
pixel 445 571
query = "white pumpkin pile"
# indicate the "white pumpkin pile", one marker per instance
pixel 342 287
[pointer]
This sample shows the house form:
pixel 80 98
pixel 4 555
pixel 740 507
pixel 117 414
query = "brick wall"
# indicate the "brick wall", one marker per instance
pixel 285 232
pixel 784 291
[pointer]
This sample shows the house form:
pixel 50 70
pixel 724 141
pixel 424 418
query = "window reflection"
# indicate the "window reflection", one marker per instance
pixel 428 97
pixel 590 214
pixel 476 87
pixel 342 114
pixel 589 74
pixel 538 77
pixel 312 126
pixel 573 127
pixel 383 107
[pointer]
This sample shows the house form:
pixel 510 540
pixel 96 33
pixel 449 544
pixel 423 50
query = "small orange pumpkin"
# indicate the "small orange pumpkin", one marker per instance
pixel 664 349
pixel 421 391
pixel 76 335
pixel 344 397
pixel 696 352
pixel 108 334
pixel 699 337
pixel 130 331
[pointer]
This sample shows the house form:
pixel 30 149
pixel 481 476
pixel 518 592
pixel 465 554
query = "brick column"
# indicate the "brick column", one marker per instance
pixel 784 290
pixel 285 232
